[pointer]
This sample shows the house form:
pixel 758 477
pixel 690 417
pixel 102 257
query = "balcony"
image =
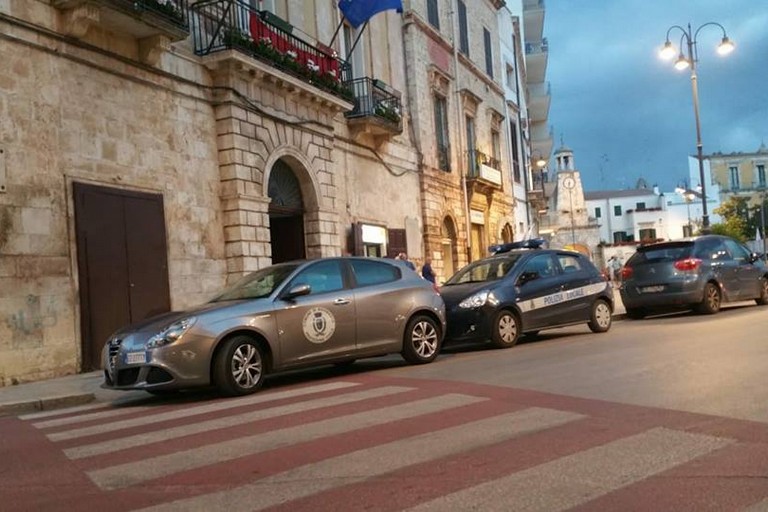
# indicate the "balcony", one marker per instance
pixel 483 172
pixel 533 19
pixel 377 110
pixel 536 55
pixel 542 138
pixel 155 23
pixel 231 31
pixel 540 99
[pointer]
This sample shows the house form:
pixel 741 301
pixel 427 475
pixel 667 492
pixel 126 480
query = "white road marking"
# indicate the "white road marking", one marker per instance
pixel 359 466
pixel 132 473
pixel 579 478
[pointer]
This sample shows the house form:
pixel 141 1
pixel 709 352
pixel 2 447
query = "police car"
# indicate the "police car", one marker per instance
pixel 524 289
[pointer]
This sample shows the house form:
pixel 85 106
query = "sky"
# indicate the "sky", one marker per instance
pixel 628 114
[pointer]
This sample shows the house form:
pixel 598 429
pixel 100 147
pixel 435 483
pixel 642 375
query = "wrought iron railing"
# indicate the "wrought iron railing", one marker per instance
pixel 475 158
pixel 174 12
pixel 540 47
pixel 234 24
pixel 375 98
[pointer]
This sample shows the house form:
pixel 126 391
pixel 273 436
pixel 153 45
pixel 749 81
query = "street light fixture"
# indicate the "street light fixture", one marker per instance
pixel 688 196
pixel 684 61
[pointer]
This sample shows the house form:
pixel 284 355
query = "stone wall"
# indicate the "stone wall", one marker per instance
pixel 203 132
pixel 75 115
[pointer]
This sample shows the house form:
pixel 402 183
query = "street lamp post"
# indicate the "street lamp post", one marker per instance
pixel 683 61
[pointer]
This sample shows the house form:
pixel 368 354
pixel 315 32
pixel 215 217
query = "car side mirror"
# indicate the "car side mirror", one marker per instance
pixel 298 291
pixel 753 257
pixel 526 277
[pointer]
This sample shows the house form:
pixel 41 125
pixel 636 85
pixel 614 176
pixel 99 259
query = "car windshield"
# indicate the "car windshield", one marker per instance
pixel 661 253
pixel 257 285
pixel 481 271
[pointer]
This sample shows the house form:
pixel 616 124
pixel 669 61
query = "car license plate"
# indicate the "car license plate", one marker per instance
pixel 652 289
pixel 135 357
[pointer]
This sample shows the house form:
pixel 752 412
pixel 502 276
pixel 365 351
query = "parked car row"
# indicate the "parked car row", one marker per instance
pixel 336 310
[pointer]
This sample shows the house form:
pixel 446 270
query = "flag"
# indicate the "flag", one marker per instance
pixel 358 12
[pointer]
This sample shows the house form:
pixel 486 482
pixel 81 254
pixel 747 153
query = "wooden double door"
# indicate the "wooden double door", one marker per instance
pixel 122 262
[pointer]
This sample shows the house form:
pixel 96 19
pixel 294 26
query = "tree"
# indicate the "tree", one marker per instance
pixel 735 214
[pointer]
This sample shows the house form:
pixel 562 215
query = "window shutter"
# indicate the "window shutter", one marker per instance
pixel 396 242
pixel 355 240
pixel 463 32
pixel 488 52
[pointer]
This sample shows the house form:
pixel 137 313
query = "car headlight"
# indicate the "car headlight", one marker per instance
pixel 171 333
pixel 475 301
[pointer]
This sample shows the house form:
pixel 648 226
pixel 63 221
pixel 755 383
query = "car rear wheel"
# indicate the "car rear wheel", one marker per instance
pixel 422 340
pixel 636 313
pixel 763 299
pixel 711 302
pixel 506 330
pixel 239 366
pixel 601 318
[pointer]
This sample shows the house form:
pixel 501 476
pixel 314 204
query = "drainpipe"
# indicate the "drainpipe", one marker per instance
pixel 459 119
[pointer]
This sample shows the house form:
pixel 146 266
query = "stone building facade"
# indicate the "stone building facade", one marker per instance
pixel 458 111
pixel 150 156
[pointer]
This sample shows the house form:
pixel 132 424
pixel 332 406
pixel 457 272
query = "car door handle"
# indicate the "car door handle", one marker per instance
pixel 341 302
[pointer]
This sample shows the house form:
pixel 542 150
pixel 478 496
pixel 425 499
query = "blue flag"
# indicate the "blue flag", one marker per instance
pixel 358 12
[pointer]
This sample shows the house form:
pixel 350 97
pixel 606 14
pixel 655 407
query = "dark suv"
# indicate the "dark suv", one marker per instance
pixel 701 272
pixel 523 291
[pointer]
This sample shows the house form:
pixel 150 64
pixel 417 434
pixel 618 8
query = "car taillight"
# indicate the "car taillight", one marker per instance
pixel 688 264
pixel 626 272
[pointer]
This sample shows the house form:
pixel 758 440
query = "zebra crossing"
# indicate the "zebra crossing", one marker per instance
pixel 369 442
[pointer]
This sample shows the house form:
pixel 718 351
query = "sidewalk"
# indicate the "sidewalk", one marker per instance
pixel 51 394
pixel 84 388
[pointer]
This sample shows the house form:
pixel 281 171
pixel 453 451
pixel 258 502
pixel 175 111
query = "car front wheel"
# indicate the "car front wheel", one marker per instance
pixel 600 318
pixel 421 343
pixel 506 330
pixel 710 304
pixel 239 366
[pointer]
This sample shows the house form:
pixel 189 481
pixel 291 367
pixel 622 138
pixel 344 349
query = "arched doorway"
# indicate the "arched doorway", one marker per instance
pixel 507 234
pixel 286 214
pixel 449 248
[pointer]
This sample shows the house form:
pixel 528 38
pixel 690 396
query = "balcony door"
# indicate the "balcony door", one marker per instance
pixel 357 58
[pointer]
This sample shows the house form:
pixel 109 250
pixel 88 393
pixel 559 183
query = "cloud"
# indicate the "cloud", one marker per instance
pixel 612 96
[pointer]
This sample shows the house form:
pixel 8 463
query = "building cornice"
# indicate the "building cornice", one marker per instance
pixel 411 17
pixel 479 73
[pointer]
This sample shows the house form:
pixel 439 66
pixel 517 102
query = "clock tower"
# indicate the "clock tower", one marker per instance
pixel 570 192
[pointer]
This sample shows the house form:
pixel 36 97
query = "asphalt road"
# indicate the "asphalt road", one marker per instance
pixel 704 364
pixel 666 413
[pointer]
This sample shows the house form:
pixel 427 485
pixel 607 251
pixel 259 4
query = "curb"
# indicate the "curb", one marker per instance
pixel 45 404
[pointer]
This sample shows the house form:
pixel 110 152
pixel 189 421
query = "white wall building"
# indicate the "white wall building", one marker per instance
pixel 512 35
pixel 639 214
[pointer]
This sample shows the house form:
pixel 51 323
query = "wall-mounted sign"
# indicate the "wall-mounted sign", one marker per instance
pixel 477 217
pixel 374 234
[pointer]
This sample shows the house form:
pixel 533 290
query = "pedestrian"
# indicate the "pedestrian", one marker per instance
pixel 427 272
pixel 615 266
pixel 408 263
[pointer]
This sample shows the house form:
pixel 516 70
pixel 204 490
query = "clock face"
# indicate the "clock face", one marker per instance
pixel 569 182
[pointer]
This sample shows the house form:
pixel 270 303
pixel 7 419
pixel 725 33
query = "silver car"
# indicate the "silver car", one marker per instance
pixel 700 273
pixel 286 316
